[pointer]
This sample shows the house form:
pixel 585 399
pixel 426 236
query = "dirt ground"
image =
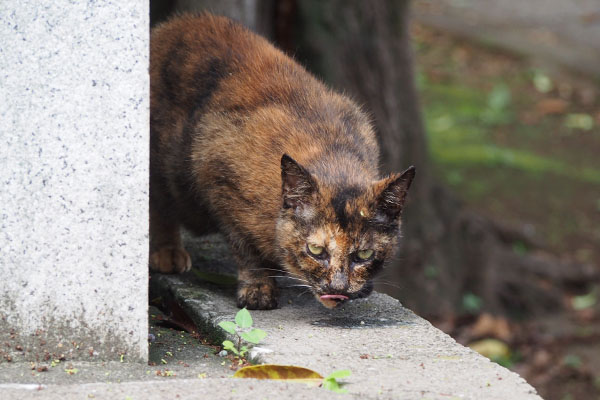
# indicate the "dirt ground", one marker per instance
pixel 519 143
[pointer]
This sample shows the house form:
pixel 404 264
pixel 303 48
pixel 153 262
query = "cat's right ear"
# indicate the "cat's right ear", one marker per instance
pixel 298 185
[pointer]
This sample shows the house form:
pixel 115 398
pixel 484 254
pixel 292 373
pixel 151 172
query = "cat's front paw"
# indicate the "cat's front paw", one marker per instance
pixel 170 260
pixel 257 296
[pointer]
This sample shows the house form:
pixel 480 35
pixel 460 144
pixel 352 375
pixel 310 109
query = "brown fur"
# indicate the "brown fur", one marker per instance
pixel 226 106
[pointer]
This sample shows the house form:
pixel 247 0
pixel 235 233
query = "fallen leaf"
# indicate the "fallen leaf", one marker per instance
pixel 491 348
pixel 584 301
pixel 488 325
pixel 542 82
pixel 579 121
pixel 285 372
pixel 591 17
pixel 551 106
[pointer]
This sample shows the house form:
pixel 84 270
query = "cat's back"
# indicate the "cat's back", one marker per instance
pixel 226 105
pixel 191 55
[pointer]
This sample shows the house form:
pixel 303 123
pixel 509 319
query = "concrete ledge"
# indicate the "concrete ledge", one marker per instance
pixel 391 351
pixel 211 388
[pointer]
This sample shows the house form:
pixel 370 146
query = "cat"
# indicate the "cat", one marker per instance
pixel 245 141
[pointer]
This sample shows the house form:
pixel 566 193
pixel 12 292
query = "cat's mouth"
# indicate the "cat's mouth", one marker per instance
pixel 332 300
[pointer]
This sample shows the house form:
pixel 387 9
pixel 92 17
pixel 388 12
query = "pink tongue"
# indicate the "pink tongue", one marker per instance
pixel 334 296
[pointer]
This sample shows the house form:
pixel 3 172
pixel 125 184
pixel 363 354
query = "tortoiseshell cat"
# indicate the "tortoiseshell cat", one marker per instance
pixel 245 141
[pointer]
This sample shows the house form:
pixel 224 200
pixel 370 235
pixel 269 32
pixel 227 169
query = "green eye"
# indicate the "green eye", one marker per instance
pixel 315 250
pixel 364 254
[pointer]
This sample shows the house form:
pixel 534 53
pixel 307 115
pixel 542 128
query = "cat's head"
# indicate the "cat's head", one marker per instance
pixel 335 239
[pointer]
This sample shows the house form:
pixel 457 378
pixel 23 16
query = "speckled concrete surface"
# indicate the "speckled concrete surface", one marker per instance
pixel 74 128
pixel 391 352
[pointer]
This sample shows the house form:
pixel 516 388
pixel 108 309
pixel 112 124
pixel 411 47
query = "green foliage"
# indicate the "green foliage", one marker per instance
pixel 586 301
pixel 254 336
pixel 471 303
pixel 342 373
pixel 228 326
pixel 572 360
pixel 520 248
pixel 581 121
pixel 460 121
pixel 431 271
pixel 240 328
pixel 330 382
pixel 542 82
pixel 243 318
pixel 229 346
pixel 497 110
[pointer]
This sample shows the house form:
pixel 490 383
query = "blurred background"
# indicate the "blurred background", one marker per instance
pixel 497 104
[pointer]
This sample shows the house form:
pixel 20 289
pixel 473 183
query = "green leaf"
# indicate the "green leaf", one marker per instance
pixel 431 272
pixel 520 248
pixel 333 385
pixel 342 373
pixel 579 121
pixel 499 97
pixel 254 336
pixel 243 318
pixel 542 82
pixel 572 360
pixel 228 345
pixel 471 302
pixel 585 301
pixel 228 326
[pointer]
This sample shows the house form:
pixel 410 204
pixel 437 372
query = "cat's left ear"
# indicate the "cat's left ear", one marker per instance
pixel 298 185
pixel 393 191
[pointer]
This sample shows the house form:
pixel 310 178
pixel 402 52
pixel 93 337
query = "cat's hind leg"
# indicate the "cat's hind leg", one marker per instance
pixel 167 254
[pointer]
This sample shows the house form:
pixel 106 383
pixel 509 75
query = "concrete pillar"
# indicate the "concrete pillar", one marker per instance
pixel 74 134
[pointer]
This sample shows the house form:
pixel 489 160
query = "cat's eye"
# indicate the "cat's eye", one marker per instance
pixel 364 255
pixel 318 251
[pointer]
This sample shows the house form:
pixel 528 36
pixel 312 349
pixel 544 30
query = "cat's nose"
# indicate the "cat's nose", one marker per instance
pixel 339 282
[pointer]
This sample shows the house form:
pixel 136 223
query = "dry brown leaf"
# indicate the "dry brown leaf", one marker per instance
pixel 286 372
pixel 551 106
pixel 488 325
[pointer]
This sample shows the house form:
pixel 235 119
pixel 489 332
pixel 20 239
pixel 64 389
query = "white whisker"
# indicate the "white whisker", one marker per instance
pixel 288 277
pixel 386 283
pixel 276 270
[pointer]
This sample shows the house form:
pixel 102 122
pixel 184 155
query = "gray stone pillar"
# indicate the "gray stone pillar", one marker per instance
pixel 74 144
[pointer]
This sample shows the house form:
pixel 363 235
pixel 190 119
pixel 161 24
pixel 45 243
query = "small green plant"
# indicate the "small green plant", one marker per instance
pixel 241 328
pixel 471 303
pixel 330 382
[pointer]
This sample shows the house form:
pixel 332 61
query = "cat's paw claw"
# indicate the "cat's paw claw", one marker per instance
pixel 257 296
pixel 170 260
